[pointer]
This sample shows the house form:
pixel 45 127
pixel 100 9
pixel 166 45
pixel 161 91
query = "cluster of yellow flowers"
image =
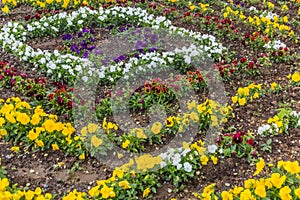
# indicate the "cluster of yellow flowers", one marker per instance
pixel 202 7
pixel 20 194
pixel 75 195
pixel 263 23
pixel 58 4
pixel 209 110
pixel 276 120
pixel 245 94
pixel 35 125
pixel 268 25
pixel 105 188
pixel 7 4
pixel 282 184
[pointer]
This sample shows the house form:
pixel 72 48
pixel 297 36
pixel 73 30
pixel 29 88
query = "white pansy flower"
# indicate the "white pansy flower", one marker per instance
pixel 85 78
pixel 179 166
pixel 187 167
pixel 212 148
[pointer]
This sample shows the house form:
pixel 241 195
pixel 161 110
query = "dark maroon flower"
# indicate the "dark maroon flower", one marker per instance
pixel 50 97
pixel 250 142
pixel 243 60
pixel 207 23
pixel 220 68
pixel 251 64
pixel 1 77
pixel 233 154
pixel 237 138
pixel 235 62
pixel 280 53
pixel 29 94
pixel 70 105
pixel 247 35
pixel 199 14
pixel 7 72
pixel 273 54
pixel 227 21
pixel 28 87
pixel 37 16
pixel 28 17
pixel 60 101
pixel 39 97
pixel 60 84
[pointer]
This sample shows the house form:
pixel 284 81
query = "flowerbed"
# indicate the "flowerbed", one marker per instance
pixel 251 57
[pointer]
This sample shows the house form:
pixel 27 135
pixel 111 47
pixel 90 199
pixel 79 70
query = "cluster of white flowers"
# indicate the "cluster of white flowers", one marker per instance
pixel 268 15
pixel 174 157
pixel 149 61
pixel 274 45
pixel 213 47
pixel 264 128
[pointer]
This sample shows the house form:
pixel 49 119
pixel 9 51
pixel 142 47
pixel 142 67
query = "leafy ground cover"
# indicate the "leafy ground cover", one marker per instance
pixel 58 144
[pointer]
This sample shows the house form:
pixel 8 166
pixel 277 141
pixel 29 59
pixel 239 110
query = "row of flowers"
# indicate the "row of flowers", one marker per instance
pixel 67 65
pixel 254 91
pixel 268 22
pixel 63 4
pixel 106 190
pixel 281 183
pixel 175 165
pixel 280 123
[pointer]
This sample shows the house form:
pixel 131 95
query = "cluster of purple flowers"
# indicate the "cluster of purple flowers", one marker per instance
pixel 84 47
pixel 144 41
